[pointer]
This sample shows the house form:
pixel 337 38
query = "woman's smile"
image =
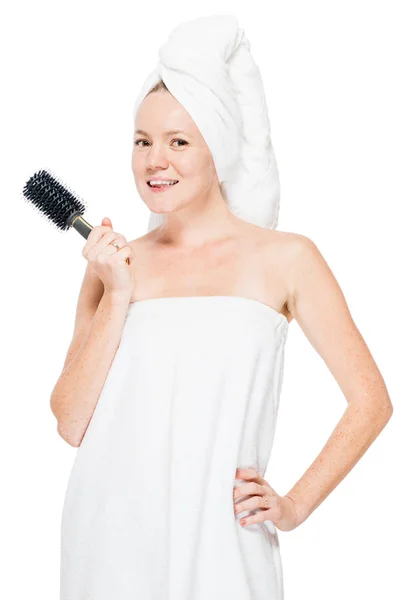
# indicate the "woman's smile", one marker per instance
pixel 161 188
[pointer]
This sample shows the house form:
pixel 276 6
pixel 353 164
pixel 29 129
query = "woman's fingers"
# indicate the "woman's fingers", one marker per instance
pixel 115 244
pixel 247 473
pixel 258 499
pixel 245 489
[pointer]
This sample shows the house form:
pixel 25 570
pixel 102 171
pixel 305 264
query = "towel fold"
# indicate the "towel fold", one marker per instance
pixel 207 66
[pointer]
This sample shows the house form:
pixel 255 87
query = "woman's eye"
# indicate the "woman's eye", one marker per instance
pixel 138 142
pixel 178 140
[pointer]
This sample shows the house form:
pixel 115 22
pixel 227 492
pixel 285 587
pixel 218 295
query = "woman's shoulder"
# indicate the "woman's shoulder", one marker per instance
pixel 283 243
pixel 293 246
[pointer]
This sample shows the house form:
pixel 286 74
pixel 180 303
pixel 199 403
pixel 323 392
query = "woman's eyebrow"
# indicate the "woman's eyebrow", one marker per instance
pixel 170 132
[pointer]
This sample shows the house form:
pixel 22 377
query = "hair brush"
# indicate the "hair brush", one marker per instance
pixel 62 207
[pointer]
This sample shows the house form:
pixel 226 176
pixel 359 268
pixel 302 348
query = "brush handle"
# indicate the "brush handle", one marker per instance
pixel 83 227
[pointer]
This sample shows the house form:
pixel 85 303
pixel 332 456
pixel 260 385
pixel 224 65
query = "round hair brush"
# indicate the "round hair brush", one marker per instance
pixel 57 202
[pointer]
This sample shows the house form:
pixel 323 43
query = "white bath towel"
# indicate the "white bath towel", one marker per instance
pixel 207 66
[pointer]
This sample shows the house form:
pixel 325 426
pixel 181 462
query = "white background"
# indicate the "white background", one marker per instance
pixel 70 73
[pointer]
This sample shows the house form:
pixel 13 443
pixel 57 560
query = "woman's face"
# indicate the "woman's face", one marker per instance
pixel 159 153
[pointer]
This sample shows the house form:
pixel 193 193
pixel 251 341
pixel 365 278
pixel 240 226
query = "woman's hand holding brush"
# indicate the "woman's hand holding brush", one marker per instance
pixel 107 251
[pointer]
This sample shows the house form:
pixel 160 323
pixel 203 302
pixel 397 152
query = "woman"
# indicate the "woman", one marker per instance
pixel 171 384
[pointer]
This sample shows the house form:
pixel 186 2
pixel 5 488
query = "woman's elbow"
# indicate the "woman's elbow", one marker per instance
pixel 66 435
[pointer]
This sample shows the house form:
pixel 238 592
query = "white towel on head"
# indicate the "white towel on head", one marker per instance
pixel 207 66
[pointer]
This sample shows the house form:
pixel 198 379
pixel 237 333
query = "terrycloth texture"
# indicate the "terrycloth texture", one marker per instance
pixel 207 66
pixel 192 394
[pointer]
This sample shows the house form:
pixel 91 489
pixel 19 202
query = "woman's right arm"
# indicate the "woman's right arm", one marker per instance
pixel 99 321
pixel 90 355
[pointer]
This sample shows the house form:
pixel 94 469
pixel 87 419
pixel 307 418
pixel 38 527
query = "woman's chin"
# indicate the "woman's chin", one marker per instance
pixel 157 210
pixel 161 207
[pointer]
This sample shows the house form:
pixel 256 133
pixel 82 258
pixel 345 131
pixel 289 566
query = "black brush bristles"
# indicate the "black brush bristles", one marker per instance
pixel 62 207
pixel 53 199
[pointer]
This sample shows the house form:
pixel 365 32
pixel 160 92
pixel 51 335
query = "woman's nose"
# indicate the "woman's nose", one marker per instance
pixel 156 158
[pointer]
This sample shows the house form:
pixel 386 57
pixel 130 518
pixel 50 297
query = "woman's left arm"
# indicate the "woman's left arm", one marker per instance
pixel 318 304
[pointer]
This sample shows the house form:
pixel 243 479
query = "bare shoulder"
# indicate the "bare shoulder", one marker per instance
pixel 290 243
pixel 286 256
pixel 290 249
pixel 283 246
pixel 300 254
pixel 310 279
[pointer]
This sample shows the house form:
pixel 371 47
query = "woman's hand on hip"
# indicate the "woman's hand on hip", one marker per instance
pixel 260 496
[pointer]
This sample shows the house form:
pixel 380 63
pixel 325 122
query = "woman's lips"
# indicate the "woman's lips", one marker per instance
pixel 163 188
